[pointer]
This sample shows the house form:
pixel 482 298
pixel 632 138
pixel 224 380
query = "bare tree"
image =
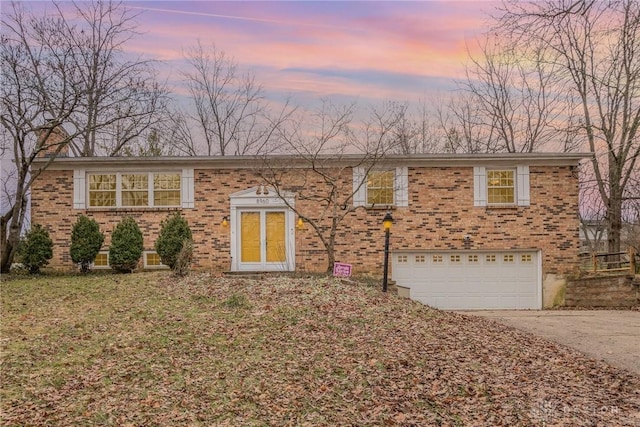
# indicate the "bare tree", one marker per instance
pixel 156 142
pixel 230 111
pixel 631 212
pixel 38 92
pixel 66 87
pixel 327 146
pixel 516 96
pixel 122 97
pixel 592 211
pixel 463 128
pixel 414 133
pixel 596 47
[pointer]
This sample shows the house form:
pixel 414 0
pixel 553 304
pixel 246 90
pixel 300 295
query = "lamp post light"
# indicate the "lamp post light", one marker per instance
pixel 386 223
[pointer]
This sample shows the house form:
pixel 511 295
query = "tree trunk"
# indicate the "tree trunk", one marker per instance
pixel 5 248
pixel 331 242
pixel 331 259
pixel 10 240
pixel 614 223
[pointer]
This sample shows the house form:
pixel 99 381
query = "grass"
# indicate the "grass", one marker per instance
pixel 149 349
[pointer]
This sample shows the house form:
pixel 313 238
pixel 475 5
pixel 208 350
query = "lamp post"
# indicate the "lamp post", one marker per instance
pixel 386 223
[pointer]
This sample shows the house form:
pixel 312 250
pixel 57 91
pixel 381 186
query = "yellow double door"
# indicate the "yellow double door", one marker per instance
pixel 263 239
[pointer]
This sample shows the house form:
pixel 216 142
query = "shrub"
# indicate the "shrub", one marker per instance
pixel 184 258
pixel 86 241
pixel 126 246
pixel 36 249
pixel 174 232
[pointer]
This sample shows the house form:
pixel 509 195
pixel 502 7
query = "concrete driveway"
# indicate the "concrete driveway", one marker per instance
pixel 609 335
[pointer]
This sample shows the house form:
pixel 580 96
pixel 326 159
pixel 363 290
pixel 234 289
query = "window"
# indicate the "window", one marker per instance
pixel 490 258
pixel 455 259
pixel 402 259
pixel 135 190
pixel 102 190
pixel 525 258
pixel 501 187
pixel 420 259
pixel 380 187
pixel 166 189
pixel 473 258
pixel 508 258
pixel 148 189
pixel 437 259
pixel 101 260
pixel 152 260
pixel 377 187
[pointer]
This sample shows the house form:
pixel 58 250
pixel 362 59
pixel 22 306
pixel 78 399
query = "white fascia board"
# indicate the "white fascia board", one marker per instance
pixel 283 161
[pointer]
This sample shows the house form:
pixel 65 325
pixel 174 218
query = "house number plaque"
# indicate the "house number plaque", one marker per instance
pixel 267 201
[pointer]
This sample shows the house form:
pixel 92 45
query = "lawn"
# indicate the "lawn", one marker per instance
pixel 152 350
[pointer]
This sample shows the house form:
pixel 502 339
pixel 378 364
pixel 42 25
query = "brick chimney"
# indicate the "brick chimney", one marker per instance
pixel 56 135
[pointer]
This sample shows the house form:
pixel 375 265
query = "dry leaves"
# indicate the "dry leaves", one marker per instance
pixel 144 349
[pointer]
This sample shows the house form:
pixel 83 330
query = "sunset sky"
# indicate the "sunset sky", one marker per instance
pixel 367 50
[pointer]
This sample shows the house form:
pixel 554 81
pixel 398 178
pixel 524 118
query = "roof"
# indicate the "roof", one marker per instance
pixel 233 162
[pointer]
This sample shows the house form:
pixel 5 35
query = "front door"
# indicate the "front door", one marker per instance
pixel 262 240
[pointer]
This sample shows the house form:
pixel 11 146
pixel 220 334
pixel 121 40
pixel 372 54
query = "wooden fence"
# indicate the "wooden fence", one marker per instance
pixel 617 262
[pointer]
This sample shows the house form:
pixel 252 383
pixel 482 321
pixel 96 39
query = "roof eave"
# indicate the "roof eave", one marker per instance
pixel 233 162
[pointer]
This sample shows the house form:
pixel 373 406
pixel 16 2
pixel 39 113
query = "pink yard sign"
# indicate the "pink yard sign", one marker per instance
pixel 341 269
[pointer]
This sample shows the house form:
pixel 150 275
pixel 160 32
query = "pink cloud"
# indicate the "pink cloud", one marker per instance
pixel 424 38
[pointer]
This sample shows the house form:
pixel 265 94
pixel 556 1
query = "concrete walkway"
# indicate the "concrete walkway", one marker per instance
pixel 609 335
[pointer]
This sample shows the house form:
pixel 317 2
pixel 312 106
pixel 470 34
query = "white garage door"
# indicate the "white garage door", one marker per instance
pixel 471 279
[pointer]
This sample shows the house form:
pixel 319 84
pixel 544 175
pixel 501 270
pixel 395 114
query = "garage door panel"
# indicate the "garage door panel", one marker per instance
pixel 471 280
pixel 475 302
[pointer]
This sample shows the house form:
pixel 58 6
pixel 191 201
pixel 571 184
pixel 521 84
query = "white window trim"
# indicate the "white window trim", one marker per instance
pixel 81 189
pixel 521 186
pixel 400 190
pixel 152 267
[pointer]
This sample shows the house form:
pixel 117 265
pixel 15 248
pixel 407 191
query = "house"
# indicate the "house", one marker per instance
pixel 594 237
pixel 470 231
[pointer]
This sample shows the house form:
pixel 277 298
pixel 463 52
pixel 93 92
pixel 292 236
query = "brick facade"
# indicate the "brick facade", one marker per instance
pixel 440 213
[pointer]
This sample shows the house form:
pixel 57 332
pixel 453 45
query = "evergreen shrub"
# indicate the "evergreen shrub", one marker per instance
pixel 36 249
pixel 174 232
pixel 86 241
pixel 126 246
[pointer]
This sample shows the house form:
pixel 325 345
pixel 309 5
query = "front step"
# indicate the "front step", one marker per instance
pixel 256 274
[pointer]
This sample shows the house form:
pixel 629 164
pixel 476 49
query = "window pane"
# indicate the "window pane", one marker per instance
pixel 135 190
pixel 166 189
pixel 101 260
pixel 102 190
pixel 153 260
pixel 276 237
pixel 250 237
pixel 380 188
pixel 501 187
